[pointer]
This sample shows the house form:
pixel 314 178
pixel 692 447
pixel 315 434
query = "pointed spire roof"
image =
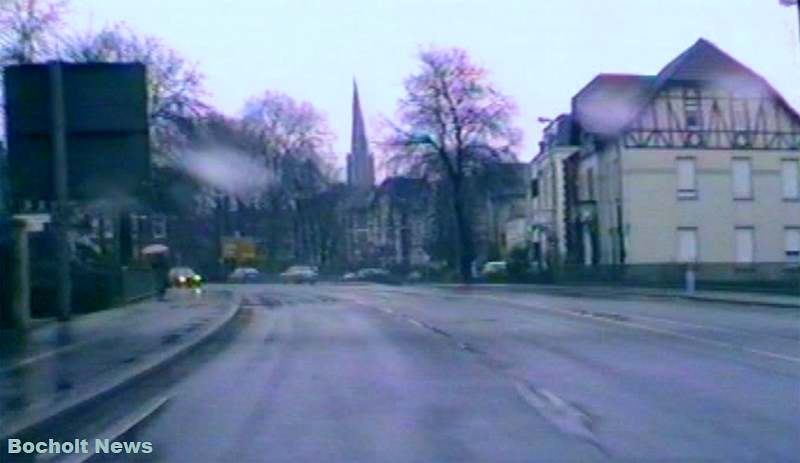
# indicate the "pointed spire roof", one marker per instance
pixel 358 141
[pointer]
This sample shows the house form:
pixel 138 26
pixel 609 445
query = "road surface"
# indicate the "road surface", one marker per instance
pixel 351 373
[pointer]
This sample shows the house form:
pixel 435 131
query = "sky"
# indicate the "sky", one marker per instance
pixel 538 52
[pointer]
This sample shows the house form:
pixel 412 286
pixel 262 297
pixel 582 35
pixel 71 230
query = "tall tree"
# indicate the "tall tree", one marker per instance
pixel 175 86
pixel 451 123
pixel 28 34
pixel 291 133
pixel 28 29
pixel 295 141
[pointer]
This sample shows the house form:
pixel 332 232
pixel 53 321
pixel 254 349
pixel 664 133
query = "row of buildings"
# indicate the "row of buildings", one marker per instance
pixel 699 163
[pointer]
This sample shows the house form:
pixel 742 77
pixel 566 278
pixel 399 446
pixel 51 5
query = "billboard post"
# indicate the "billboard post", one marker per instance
pixel 77 132
pixel 60 189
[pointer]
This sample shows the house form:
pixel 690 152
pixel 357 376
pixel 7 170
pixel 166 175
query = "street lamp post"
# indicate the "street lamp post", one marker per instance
pixel 795 3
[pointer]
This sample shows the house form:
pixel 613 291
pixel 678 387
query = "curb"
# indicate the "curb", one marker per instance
pixel 574 291
pixel 782 305
pixel 29 424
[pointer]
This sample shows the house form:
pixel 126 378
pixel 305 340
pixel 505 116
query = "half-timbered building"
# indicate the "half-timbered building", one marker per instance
pixel 698 163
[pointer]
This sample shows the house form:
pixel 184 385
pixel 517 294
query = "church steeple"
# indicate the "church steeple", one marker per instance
pixel 360 165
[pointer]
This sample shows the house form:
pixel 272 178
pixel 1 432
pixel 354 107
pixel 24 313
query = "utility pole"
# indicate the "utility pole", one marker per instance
pixel 60 211
pixel 20 277
pixel 795 3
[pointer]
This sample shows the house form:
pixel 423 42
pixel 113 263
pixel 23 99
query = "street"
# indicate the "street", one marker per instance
pixel 381 373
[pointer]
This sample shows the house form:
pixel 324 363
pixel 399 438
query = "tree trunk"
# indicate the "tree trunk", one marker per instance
pixel 465 252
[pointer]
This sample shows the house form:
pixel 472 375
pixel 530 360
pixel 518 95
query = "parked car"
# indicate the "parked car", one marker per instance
pixel 300 274
pixel 371 272
pixel 496 268
pixel 244 275
pixel 377 275
pixel 349 276
pixel 184 277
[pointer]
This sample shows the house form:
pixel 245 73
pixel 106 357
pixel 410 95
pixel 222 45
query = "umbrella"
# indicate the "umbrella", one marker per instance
pixel 151 249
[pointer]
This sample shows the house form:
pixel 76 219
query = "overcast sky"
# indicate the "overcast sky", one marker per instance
pixel 538 52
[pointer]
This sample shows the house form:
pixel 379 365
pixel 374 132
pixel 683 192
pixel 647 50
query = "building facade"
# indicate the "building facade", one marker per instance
pixel 547 220
pixel 698 164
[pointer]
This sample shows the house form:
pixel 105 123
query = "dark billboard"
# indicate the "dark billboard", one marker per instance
pixel 105 106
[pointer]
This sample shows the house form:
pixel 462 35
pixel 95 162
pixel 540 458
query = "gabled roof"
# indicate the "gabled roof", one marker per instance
pixel 611 102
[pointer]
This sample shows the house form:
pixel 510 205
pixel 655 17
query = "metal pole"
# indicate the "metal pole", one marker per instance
pixel 690 281
pixel 21 299
pixel 798 18
pixel 60 212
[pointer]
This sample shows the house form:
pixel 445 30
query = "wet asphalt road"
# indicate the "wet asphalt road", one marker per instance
pixel 354 373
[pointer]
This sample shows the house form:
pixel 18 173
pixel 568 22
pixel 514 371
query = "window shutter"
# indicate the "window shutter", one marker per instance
pixel 745 247
pixel 742 179
pixel 790 174
pixel 792 245
pixel 687 245
pixel 686 178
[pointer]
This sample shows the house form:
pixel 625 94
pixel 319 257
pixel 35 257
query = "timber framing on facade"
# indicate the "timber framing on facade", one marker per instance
pixel 704 117
pixel 704 99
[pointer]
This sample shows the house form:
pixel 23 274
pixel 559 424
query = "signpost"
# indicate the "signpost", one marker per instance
pixel 76 132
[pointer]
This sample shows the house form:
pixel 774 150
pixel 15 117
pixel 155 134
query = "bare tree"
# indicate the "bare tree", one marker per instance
pixel 28 33
pixel 451 122
pixel 295 141
pixel 175 86
pixel 288 129
pixel 28 29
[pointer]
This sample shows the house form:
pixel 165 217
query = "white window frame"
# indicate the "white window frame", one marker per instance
pixel 684 190
pixel 791 246
pixel 158 225
pixel 744 256
pixel 681 233
pixel 790 179
pixel 745 191
pixel 691 110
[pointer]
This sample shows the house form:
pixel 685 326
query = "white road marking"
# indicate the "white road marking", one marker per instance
pixel 629 324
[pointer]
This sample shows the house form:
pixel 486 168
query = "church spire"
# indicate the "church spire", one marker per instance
pixel 358 141
pixel 360 166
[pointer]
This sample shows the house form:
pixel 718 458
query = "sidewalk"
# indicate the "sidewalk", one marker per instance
pixel 730 297
pixel 58 366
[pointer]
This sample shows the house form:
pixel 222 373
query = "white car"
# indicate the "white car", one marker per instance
pixel 300 274
pixel 244 274
pixel 373 274
pixel 494 268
